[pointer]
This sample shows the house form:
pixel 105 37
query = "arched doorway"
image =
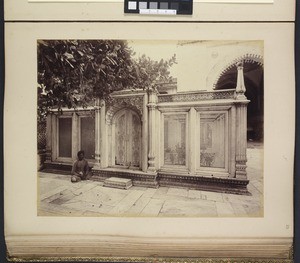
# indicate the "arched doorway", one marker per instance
pixel 254 83
pixel 127 139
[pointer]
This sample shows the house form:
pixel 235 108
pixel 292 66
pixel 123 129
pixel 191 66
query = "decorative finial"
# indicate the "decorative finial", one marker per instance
pixel 240 84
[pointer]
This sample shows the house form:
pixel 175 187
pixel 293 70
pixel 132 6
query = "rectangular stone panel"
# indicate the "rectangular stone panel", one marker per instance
pixel 212 140
pixel 65 137
pixel 175 139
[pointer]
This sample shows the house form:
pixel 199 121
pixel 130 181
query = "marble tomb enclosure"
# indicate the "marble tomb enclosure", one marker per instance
pixel 195 139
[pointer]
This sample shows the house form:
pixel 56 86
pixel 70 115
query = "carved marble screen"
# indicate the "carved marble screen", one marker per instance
pixel 175 139
pixel 64 137
pixel 127 139
pixel 212 140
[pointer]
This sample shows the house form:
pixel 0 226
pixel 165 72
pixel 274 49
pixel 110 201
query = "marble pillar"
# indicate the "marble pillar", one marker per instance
pixel 232 141
pixel 152 104
pixel 103 136
pixel 192 141
pixel 241 125
pixel 145 134
pixel 49 137
pixel 54 137
pixel 75 135
pixel 97 135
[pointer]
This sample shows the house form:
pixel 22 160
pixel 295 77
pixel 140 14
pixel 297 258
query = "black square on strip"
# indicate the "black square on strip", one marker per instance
pixel 185 8
pixel 174 5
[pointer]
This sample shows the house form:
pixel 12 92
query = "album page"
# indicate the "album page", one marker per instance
pixel 190 150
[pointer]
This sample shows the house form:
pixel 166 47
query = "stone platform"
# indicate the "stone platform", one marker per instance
pixel 120 183
pixel 155 180
pixel 204 183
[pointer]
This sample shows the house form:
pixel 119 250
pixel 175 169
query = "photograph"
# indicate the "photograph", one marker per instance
pixel 150 128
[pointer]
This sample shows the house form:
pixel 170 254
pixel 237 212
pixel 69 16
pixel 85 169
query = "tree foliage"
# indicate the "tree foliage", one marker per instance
pixel 151 73
pixel 73 73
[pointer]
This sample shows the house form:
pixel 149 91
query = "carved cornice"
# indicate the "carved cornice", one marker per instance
pixel 186 97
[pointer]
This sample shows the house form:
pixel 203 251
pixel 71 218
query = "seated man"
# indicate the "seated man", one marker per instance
pixel 80 169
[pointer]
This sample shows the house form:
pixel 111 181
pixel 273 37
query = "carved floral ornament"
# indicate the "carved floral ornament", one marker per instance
pixel 134 103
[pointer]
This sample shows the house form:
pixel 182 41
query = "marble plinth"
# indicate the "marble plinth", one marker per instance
pixel 120 183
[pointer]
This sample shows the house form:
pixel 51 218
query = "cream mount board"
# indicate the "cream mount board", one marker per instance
pixel 273 231
pixel 200 1
pixel 113 10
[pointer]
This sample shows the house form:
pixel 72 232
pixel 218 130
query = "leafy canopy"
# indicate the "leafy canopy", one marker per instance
pixel 73 73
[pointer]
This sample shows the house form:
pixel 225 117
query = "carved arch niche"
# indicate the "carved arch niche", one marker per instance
pixel 254 83
pixel 124 123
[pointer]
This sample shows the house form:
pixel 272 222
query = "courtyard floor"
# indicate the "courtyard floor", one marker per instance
pixel 59 197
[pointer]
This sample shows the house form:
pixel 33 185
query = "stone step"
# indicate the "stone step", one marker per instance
pixel 120 183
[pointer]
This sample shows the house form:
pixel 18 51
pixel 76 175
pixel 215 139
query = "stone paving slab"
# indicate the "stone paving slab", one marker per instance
pixel 69 194
pixel 240 199
pixel 88 207
pixel 178 192
pixel 52 192
pixel 103 195
pixel 253 190
pixel 55 196
pixel 211 196
pixel 191 208
pixel 125 204
pixel 253 210
pixel 139 206
pixel 258 185
pixel 50 184
pixel 194 194
pixel 171 197
pixel 161 191
pixel 224 209
pixel 239 210
pixel 47 209
pixel 149 192
pixel 153 207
